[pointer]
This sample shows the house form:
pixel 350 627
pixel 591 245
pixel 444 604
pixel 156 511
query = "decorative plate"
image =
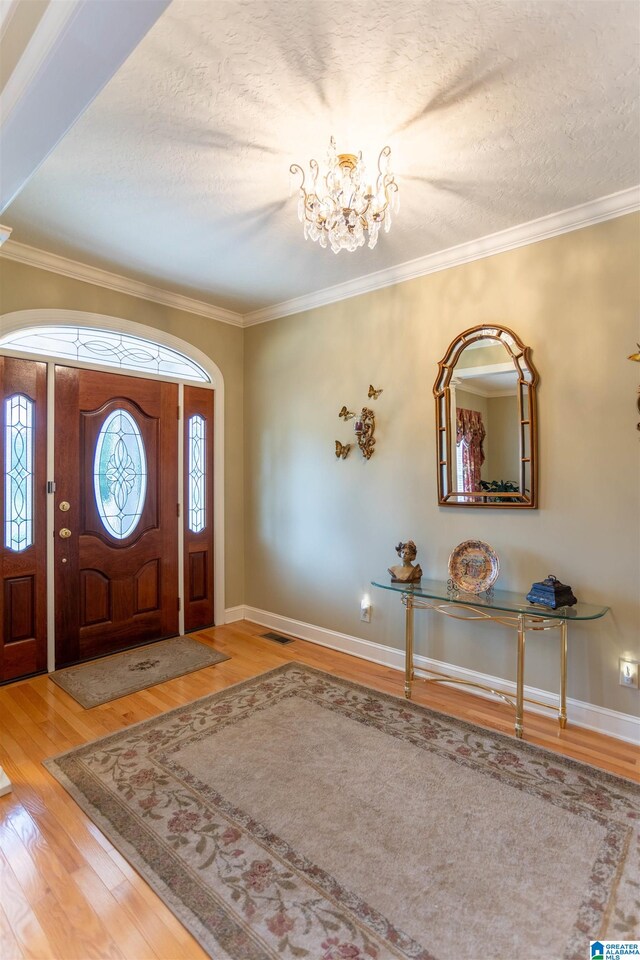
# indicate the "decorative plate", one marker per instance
pixel 474 566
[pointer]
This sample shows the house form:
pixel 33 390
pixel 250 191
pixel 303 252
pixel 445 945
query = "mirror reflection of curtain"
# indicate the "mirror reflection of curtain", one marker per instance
pixel 470 434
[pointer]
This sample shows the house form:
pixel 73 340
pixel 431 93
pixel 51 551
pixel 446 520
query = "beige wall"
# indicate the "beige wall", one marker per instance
pixel 503 431
pixel 28 288
pixel 501 443
pixel 481 356
pixel 318 529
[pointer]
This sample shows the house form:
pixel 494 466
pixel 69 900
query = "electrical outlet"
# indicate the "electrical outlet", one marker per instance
pixel 365 610
pixel 628 673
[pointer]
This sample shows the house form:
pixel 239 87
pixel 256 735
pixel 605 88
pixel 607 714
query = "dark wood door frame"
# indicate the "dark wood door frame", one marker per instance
pixel 207 573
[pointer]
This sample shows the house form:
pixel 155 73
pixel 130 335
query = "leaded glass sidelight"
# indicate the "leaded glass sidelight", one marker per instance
pixel 18 478
pixel 120 474
pixel 197 474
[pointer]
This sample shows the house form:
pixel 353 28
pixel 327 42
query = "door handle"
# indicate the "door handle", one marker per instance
pixel 65 533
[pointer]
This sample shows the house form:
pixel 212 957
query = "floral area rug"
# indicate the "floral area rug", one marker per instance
pixel 297 815
pixel 112 677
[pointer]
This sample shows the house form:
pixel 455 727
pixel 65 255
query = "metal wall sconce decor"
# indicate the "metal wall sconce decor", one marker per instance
pixel 364 426
pixel 636 357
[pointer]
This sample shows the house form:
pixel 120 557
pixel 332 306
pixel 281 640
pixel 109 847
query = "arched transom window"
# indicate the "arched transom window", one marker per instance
pixel 106 347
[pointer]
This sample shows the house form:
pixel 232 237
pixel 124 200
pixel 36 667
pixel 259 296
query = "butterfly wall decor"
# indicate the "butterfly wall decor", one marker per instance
pixel 364 426
pixel 346 414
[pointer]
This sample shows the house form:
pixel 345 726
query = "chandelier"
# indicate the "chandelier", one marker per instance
pixel 339 208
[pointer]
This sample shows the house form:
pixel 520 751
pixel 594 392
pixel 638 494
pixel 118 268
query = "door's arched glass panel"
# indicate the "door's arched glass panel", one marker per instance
pixel 108 348
pixel 197 474
pixel 18 478
pixel 120 474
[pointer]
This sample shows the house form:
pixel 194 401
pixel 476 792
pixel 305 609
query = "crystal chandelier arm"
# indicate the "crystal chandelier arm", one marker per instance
pixel 385 182
pixel 362 213
pixel 332 193
pixel 296 168
pixel 308 201
pixel 315 170
pixel 389 187
pixel 386 153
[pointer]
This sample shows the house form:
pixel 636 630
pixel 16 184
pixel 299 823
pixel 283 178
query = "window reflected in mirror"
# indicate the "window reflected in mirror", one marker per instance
pixel 486 429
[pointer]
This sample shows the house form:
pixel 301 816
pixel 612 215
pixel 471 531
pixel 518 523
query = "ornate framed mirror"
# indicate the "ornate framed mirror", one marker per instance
pixel 486 421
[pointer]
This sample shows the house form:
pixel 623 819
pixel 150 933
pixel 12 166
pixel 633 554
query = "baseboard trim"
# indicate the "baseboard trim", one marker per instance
pixel 233 614
pixel 590 716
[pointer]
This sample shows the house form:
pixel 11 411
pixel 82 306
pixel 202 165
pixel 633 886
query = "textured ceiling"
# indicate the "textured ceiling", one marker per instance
pixel 496 112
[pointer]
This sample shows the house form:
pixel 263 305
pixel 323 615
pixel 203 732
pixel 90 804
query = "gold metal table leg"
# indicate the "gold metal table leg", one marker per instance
pixel 562 716
pixel 408 650
pixel 520 678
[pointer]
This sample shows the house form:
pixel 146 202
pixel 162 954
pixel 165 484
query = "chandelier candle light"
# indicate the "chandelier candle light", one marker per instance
pixel 340 209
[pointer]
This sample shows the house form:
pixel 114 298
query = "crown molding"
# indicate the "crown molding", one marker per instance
pixel 564 221
pixel 33 257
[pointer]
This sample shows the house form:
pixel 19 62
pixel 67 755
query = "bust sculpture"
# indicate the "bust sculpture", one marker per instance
pixel 406 572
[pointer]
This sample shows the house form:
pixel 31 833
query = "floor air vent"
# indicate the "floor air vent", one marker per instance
pixel 277 637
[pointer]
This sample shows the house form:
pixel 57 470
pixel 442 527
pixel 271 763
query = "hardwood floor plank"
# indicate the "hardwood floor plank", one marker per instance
pixel 66 891
pixel 130 939
pixel 33 884
pixel 18 717
pixel 157 924
pixel 40 865
pixel 72 934
pixel 73 842
pixel 9 946
pixel 40 843
pixel 19 912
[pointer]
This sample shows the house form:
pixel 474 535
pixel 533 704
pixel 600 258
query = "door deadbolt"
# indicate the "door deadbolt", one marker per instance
pixel 65 533
pixel 64 506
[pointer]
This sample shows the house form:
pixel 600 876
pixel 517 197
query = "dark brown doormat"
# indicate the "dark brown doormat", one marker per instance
pixel 112 677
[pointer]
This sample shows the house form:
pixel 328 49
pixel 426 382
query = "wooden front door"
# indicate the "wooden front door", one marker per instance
pixel 23 562
pixel 116 517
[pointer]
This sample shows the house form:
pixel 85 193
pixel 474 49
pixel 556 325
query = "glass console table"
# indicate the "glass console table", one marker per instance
pixel 499 606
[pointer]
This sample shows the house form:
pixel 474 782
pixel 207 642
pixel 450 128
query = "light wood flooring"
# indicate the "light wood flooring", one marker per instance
pixel 66 893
